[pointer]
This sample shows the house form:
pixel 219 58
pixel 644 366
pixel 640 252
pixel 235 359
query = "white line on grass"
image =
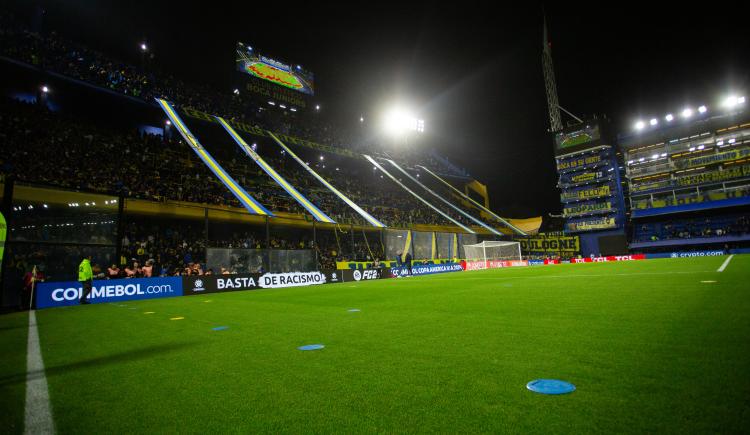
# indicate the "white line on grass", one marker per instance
pixel 726 263
pixel 38 417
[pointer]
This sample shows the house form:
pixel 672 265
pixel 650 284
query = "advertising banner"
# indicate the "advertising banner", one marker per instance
pixel 585 208
pixel 426 269
pixel 193 285
pixel 593 192
pixel 579 162
pixel 362 275
pixel 715 176
pixel 609 259
pixel 492 264
pixel 550 243
pixel 714 158
pixel 596 224
pixel 60 294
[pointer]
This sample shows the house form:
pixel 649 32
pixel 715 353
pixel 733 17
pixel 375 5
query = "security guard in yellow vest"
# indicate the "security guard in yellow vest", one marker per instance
pixel 85 277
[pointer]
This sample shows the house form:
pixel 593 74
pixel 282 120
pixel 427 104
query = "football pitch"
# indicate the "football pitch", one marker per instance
pixel 651 346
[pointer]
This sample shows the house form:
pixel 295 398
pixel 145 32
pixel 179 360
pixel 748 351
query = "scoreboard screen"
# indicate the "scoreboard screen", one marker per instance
pixel 576 139
pixel 290 76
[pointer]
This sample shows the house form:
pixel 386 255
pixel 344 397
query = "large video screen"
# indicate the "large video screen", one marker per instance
pixel 580 138
pixel 250 61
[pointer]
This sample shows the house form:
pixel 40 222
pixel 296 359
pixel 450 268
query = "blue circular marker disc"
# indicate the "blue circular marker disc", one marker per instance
pixel 550 386
pixel 311 347
pixel 354 310
pixel 220 328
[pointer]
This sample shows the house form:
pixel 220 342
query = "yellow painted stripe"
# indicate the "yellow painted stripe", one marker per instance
pixel 208 159
pixel 434 245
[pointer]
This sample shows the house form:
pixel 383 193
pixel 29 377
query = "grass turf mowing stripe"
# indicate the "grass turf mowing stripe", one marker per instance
pixel 38 415
pixel 648 353
pixel 725 264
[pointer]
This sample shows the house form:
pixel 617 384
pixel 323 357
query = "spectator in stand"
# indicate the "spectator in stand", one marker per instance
pixel 113 272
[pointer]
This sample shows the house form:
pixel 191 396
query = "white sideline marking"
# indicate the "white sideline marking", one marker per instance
pixel 38 415
pixel 726 263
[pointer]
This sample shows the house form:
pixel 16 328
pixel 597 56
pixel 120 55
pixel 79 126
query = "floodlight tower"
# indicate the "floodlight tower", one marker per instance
pixel 553 105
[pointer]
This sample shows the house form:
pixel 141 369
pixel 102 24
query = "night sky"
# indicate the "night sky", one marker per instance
pixel 472 70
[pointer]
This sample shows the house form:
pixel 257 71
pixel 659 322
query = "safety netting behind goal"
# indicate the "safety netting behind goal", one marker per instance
pixel 491 254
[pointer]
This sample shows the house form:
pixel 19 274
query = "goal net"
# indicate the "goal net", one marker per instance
pixel 489 254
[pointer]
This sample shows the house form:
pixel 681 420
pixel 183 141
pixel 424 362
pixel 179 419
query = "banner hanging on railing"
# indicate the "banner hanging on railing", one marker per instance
pixel 414 194
pixel 468 198
pixel 374 222
pixel 301 199
pixel 445 201
pixel 245 199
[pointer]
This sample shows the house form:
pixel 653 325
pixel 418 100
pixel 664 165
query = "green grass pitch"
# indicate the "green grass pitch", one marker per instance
pixel 649 346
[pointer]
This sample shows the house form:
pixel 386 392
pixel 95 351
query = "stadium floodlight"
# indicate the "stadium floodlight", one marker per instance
pixel 45 89
pixel 653 121
pixel 687 113
pixel 702 109
pixel 168 122
pixel 361 119
pixel 733 100
pixel 720 143
pixel 655 156
pixel 642 159
pixel 691 149
pixel 630 162
pixel 293 109
pixel 282 106
pixel 669 117
pixel 236 91
pixel 144 47
pixel 731 140
pixel 398 121
pixel 639 125
pixel 272 103
pixel 700 147
pixel 663 154
pixel 321 158
pixel 317 107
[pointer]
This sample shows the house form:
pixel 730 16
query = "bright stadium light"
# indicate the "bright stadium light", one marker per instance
pixel 663 154
pixel 655 156
pixel 361 119
pixel 687 113
pixel 700 147
pixel 236 91
pixel 272 103
pixel 317 107
pixel 640 125
pixel 168 122
pixel 733 100
pixel 398 121
pixel 702 109
pixel 669 117
pixel 144 47
pixel 653 121
pixel 45 89
pixel 321 158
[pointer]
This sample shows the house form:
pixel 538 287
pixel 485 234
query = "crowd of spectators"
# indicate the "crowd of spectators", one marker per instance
pixel 54 149
pixel 52 51
pixel 695 228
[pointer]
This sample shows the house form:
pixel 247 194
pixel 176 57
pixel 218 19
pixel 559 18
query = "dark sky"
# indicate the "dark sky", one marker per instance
pixel 472 70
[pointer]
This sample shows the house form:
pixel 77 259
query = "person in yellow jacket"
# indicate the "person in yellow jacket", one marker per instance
pixel 85 277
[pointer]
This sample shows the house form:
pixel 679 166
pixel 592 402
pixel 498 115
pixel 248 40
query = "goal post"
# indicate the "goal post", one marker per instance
pixel 490 254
